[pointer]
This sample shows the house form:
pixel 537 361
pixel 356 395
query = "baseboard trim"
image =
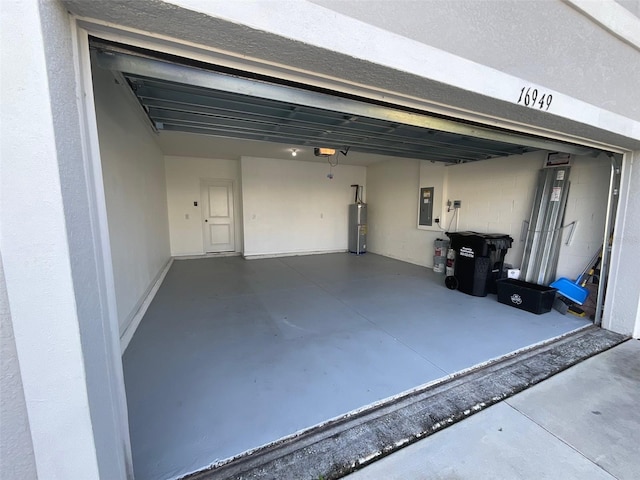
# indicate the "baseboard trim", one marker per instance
pixel 133 324
pixel 290 254
pixel 198 256
pixel 405 260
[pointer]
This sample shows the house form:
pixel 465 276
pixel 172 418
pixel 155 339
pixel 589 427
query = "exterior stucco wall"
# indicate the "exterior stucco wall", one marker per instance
pixel 51 253
pixel 16 449
pixel 632 5
pixel 549 43
pixel 68 357
pixel 300 40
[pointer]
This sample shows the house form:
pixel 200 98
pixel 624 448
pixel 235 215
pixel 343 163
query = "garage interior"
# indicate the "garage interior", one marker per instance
pixel 271 327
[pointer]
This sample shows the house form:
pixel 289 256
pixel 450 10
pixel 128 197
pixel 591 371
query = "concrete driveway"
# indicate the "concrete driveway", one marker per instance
pixel 583 423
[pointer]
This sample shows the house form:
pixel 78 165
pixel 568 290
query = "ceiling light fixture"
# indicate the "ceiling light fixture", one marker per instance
pixel 294 152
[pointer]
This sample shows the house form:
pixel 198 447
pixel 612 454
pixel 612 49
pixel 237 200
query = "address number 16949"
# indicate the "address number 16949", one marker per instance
pixel 530 97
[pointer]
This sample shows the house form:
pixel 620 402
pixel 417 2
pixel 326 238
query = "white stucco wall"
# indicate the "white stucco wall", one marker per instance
pixel 183 189
pixel 52 254
pixel 292 207
pixel 135 192
pixel 16 449
pixel 548 43
pixel 632 5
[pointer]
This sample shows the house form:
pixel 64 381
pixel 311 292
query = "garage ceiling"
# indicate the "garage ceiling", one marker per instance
pixel 185 98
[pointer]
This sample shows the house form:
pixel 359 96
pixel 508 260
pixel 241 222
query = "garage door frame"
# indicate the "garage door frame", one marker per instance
pixel 84 27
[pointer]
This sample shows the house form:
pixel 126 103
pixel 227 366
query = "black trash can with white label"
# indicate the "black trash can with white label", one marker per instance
pixel 479 260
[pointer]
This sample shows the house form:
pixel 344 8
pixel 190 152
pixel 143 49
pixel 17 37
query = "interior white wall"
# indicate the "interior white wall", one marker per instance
pixel 393 193
pixel 496 197
pixel 292 207
pixel 183 189
pixel 434 174
pixel 135 192
pixel 587 204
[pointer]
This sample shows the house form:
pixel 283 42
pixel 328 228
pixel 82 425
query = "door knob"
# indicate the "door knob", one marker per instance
pixel 206 221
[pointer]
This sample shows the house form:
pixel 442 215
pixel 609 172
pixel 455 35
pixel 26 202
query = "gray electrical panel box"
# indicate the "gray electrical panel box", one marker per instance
pixel 358 228
pixel 426 206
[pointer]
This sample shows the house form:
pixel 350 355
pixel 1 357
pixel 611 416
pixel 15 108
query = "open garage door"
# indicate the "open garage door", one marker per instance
pixel 282 326
pixel 200 99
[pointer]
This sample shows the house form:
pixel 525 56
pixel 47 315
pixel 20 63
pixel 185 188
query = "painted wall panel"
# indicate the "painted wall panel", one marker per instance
pixel 135 192
pixel 292 206
pixel 183 189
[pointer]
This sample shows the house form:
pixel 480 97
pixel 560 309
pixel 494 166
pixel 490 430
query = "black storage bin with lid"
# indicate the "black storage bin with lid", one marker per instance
pixel 479 260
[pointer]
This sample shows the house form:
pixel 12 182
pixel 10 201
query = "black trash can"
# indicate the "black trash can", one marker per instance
pixel 479 260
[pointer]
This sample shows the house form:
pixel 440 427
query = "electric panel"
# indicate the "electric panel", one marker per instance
pixel 426 206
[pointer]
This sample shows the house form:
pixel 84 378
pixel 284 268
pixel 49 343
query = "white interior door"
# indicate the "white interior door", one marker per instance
pixel 217 211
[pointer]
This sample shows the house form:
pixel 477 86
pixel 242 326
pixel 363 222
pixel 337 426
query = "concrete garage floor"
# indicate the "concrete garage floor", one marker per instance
pixel 583 423
pixel 233 354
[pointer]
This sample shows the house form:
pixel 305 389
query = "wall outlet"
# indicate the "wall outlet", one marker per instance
pixel 457 203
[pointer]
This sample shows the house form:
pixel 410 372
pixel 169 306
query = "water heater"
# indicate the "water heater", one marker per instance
pixel 358 228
